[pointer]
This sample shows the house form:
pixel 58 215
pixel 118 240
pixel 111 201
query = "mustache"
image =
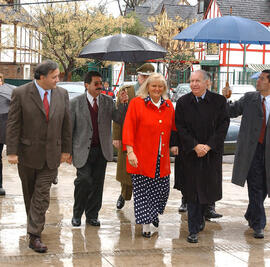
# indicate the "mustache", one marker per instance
pixel 98 89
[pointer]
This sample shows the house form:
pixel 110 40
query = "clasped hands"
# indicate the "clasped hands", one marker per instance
pixel 201 150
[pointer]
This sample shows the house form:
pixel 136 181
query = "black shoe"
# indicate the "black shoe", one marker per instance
pixel 192 238
pixel 120 202
pixel 211 214
pixel 183 207
pixel 202 225
pixel 2 191
pixel 146 234
pixel 76 222
pixel 93 222
pixel 258 233
pixel 156 222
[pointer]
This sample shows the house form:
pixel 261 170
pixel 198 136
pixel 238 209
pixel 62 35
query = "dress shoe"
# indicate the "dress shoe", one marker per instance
pixel 202 225
pixel 120 202
pixel 211 214
pixel 183 207
pixel 76 222
pixel 156 222
pixel 2 191
pixel 258 233
pixel 93 222
pixel 192 238
pixel 55 180
pixel 36 244
pixel 146 234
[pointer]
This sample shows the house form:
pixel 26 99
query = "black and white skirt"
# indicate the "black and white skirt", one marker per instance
pixel 150 196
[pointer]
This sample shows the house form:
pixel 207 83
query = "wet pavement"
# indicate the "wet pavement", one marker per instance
pixel 118 242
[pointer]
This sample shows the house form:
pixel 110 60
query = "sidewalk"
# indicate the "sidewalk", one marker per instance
pixel 118 242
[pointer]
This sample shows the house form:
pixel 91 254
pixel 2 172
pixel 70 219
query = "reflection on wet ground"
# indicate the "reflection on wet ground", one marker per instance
pixel 118 242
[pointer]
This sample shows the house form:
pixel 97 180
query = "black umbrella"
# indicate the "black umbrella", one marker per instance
pixel 5 97
pixel 123 47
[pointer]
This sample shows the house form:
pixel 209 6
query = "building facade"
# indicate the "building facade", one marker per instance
pixel 20 42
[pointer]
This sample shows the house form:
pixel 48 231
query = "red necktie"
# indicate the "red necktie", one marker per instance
pixel 46 105
pixel 264 123
pixel 95 106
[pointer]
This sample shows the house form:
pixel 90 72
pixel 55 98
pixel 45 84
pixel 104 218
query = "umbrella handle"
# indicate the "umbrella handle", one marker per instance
pixel 227 82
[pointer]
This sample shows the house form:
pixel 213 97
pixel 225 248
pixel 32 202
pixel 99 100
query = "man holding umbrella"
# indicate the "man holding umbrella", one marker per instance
pixel 121 174
pixel 251 162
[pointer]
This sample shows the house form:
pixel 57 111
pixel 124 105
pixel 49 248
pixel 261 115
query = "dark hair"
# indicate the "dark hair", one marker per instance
pixel 88 76
pixel 44 68
pixel 268 72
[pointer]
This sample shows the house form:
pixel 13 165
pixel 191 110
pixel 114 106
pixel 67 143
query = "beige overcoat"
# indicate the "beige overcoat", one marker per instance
pixel 121 174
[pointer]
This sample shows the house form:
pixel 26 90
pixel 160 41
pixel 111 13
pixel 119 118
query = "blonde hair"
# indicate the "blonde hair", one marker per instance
pixel 143 90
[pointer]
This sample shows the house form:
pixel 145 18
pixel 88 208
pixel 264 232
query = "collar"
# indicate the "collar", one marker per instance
pixel 161 102
pixel 91 98
pixel 42 91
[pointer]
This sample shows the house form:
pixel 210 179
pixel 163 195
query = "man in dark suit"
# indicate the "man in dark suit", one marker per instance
pixel 92 115
pixel 202 121
pixel 38 140
pixel 252 157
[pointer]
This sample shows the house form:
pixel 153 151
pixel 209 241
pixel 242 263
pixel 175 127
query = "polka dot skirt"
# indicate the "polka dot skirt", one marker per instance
pixel 150 196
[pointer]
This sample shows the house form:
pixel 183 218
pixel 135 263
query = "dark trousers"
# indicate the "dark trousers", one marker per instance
pixel 257 191
pixel 89 185
pixel 1 166
pixel 36 185
pixel 195 216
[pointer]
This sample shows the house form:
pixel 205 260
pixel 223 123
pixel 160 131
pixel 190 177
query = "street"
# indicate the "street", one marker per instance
pixel 118 242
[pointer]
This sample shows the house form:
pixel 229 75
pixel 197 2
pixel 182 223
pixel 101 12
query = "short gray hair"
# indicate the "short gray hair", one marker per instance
pixel 44 68
pixel 205 74
pixel 143 90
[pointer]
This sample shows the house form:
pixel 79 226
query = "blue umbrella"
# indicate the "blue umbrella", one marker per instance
pixel 227 29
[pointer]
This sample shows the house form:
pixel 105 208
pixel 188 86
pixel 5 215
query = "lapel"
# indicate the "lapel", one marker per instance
pixel 101 107
pixel 54 95
pixel 36 98
pixel 258 103
pixel 83 103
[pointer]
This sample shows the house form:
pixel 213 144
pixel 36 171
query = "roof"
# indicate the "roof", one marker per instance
pixel 11 15
pixel 173 9
pixel 258 10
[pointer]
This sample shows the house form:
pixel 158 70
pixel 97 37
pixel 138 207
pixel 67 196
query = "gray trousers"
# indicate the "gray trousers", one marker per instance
pixel 36 185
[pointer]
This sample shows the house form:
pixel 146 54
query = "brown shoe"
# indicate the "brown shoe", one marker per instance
pixel 36 244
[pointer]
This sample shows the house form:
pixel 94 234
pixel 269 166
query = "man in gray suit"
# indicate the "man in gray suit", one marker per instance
pixel 38 140
pixel 92 115
pixel 252 156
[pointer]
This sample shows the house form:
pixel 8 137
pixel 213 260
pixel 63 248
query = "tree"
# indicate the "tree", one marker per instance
pixel 124 4
pixel 66 29
pixel 180 54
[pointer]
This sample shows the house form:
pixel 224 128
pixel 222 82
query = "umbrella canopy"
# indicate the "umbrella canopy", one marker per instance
pixel 5 97
pixel 123 47
pixel 227 29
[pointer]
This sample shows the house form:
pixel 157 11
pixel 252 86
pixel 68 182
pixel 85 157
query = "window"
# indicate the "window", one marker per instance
pixel 201 6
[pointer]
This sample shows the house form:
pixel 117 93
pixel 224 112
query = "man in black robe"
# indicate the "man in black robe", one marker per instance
pixel 202 122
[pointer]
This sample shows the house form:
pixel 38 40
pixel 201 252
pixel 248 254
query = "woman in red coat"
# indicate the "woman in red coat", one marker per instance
pixel 146 134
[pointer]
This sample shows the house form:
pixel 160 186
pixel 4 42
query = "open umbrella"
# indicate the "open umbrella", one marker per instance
pixel 123 47
pixel 227 29
pixel 5 97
